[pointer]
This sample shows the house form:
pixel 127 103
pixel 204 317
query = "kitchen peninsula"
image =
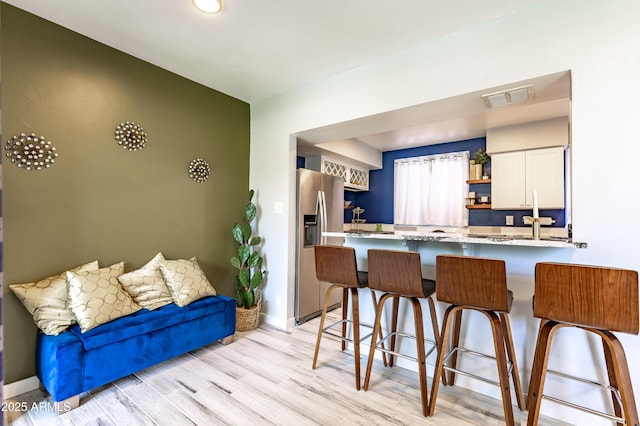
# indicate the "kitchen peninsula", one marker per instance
pixel 514 244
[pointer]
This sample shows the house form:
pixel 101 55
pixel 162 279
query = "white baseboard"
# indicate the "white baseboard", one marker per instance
pixel 275 322
pixel 22 386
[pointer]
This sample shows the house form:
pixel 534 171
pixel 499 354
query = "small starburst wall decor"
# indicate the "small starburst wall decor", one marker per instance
pixel 30 152
pixel 131 136
pixel 199 170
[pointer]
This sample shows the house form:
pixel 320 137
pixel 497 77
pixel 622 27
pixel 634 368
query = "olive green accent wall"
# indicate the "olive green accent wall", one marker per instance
pixel 100 201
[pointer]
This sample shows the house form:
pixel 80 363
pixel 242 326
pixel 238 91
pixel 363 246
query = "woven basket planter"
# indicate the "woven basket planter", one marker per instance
pixel 247 319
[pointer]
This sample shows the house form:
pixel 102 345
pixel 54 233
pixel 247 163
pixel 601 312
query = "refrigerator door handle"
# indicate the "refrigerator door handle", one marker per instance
pixel 323 218
pixel 320 215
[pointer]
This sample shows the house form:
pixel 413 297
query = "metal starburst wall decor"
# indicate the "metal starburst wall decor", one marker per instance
pixel 199 170
pixel 131 136
pixel 30 152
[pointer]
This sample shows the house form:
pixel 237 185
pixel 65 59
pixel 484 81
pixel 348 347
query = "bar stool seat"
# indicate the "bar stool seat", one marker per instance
pixel 478 284
pixel 337 265
pixel 398 275
pixel 598 300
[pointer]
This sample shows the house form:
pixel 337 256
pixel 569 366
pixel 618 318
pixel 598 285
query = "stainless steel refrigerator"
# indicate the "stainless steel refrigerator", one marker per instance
pixel 320 199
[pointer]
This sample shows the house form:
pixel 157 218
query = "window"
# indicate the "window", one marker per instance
pixel 431 190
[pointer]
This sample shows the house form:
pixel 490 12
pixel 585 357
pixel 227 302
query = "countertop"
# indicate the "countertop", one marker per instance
pixel 446 237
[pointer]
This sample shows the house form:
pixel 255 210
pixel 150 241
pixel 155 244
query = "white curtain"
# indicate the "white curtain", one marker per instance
pixel 431 190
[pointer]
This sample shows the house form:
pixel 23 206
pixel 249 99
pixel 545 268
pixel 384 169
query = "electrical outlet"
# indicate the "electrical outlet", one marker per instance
pixel 509 220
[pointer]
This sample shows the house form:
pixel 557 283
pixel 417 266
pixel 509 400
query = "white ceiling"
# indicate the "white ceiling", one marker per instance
pixel 258 48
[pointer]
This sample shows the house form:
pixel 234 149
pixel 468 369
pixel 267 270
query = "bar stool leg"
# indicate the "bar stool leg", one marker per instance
pixel 436 331
pixel 442 350
pixel 421 354
pixel 345 306
pixel 501 362
pixel 539 370
pixel 618 371
pixel 377 329
pixel 497 328
pixel 394 327
pixel 375 308
pixel 322 319
pixel 613 382
pixel 455 342
pixel 511 353
pixel 355 318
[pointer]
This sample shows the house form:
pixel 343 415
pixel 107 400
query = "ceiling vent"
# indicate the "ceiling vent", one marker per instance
pixel 508 96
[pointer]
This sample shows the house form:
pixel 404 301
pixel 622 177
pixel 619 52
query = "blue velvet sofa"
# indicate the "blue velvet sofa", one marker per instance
pixel 74 362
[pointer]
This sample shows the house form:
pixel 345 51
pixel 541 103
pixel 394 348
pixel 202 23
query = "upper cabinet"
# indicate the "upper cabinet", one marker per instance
pixel 515 175
pixel 528 157
pixel 355 178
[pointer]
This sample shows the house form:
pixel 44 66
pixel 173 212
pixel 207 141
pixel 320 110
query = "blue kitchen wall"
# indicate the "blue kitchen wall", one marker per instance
pixel 378 201
pixel 300 162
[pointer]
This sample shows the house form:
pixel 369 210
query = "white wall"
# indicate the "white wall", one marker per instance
pixel 599 41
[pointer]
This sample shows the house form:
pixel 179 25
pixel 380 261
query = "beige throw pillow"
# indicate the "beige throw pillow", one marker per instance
pixel 47 300
pixel 96 297
pixel 146 285
pixel 186 280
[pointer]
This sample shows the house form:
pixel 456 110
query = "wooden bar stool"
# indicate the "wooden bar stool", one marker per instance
pixel 481 285
pixel 337 265
pixel 398 275
pixel 596 299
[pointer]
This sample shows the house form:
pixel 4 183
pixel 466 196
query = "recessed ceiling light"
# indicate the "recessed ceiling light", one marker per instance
pixel 208 6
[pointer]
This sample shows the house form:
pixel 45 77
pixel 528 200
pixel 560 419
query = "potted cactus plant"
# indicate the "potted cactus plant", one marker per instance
pixel 248 262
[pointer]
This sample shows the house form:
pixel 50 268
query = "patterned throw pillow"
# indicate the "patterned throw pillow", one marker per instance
pixel 146 285
pixel 47 300
pixel 96 297
pixel 186 281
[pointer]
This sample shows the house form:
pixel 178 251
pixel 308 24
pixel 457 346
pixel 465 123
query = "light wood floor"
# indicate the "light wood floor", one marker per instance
pixel 264 378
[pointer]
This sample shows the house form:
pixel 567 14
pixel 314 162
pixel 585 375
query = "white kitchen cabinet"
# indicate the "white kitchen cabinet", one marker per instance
pixel 355 178
pixel 515 175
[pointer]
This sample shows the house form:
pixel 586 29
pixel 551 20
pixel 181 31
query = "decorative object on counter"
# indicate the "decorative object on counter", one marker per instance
pixel 356 215
pixel 199 170
pixel 131 136
pixel 248 262
pixel 480 158
pixel 535 205
pixel 30 152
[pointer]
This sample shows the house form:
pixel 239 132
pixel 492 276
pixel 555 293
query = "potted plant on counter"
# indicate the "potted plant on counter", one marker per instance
pixel 248 262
